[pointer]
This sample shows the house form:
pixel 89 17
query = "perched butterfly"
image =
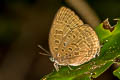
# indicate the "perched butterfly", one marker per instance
pixel 71 41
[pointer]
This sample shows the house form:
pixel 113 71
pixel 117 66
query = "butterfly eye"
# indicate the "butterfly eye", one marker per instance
pixel 52 59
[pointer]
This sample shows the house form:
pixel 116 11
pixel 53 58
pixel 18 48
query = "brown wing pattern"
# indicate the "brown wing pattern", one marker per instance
pixel 82 44
pixel 65 20
pixel 72 42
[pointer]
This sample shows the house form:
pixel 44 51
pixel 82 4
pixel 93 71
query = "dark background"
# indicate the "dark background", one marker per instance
pixel 26 23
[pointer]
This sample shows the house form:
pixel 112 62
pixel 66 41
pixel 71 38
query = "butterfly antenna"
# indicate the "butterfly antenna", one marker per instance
pixel 48 53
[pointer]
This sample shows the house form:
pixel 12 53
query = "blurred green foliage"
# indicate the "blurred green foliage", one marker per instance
pixel 117 72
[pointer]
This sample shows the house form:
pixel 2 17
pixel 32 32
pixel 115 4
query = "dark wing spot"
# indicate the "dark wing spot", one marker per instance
pixel 66 54
pixel 68 36
pixel 74 36
pixel 59 32
pixel 58 55
pixel 67 25
pixel 70 55
pixel 76 53
pixel 62 49
pixel 56 49
pixel 70 49
pixel 65 43
pixel 57 41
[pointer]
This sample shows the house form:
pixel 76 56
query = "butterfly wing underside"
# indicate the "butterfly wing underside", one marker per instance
pixel 64 21
pixel 68 39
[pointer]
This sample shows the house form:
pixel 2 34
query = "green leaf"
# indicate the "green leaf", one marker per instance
pixel 117 72
pixel 110 50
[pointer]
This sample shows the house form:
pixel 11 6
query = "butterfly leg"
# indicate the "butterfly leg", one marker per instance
pixel 69 67
pixel 56 66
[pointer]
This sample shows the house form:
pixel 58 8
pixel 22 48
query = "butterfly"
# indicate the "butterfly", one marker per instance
pixel 71 42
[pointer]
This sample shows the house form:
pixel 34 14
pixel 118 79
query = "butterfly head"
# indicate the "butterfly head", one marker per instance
pixel 52 59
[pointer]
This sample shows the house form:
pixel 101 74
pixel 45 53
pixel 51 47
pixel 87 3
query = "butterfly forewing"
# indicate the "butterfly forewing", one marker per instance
pixel 64 21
